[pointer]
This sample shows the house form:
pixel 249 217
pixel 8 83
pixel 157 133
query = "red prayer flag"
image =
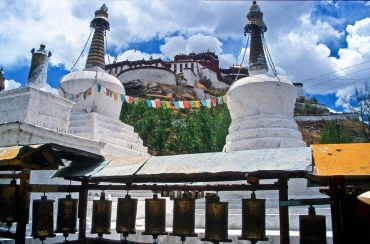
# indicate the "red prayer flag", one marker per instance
pixel 158 104
pixel 214 102
pixel 186 104
pixel 130 99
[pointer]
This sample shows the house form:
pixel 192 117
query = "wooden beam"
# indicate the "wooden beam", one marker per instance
pixel 54 188
pixel 82 210
pixel 10 176
pixel 336 216
pixel 23 207
pixel 284 211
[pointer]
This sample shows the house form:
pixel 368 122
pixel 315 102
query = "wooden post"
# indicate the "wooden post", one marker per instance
pixel 23 207
pixel 82 210
pixel 336 216
pixel 284 212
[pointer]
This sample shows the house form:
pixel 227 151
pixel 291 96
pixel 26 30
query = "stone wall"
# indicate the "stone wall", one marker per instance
pixel 345 116
pixel 148 73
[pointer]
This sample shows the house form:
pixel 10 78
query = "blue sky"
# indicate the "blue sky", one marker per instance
pixel 325 45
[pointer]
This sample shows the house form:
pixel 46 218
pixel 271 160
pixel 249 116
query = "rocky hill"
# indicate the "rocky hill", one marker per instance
pixel 311 130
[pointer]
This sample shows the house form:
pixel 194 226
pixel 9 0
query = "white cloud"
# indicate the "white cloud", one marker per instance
pixel 50 89
pixel 197 43
pixel 133 55
pixel 11 84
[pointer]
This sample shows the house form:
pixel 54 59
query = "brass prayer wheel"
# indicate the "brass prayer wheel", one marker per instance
pixel 253 219
pixel 312 228
pixel 8 202
pixel 216 229
pixel 101 216
pixel 155 217
pixel 126 215
pixel 178 194
pixel 67 215
pixel 183 218
pixel 42 218
pixel 164 193
pixel 172 195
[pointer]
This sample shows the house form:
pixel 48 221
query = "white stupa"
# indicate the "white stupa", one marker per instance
pixel 95 114
pixel 261 106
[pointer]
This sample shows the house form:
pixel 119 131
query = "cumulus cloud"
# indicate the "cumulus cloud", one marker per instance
pixel 50 89
pixel 197 43
pixel 11 84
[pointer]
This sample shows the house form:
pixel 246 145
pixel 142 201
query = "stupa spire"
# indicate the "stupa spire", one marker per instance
pixel 256 27
pixel 38 69
pixel 100 24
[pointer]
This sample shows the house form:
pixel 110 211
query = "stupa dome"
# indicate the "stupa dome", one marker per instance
pixel 94 100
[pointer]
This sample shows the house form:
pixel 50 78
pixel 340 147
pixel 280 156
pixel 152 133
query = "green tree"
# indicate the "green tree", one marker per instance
pixel 334 133
pixel 181 132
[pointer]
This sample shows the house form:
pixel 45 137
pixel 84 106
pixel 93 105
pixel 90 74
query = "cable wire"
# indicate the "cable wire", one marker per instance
pixel 337 78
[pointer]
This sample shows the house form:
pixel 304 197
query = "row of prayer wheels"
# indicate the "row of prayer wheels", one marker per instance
pixel 312 227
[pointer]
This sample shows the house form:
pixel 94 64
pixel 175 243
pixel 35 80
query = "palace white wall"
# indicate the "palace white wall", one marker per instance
pixel 150 74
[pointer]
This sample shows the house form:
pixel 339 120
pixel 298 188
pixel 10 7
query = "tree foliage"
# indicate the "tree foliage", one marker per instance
pixel 360 103
pixel 165 132
pixel 334 133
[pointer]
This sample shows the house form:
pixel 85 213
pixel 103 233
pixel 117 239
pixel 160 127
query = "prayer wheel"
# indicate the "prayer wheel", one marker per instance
pixel 178 194
pixel 8 202
pixel 67 215
pixel 184 218
pixel 126 215
pixel 101 216
pixel 155 217
pixel 253 219
pixel 312 228
pixel 42 218
pixel 172 195
pixel 216 230
pixel 164 193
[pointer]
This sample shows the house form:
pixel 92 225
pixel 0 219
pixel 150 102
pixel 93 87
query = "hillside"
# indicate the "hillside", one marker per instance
pixel 311 130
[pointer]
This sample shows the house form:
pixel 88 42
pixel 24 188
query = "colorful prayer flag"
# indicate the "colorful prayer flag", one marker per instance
pixel 153 104
pixel 130 100
pixel 219 100
pixel 186 104
pixel 88 92
pixel 149 102
pixel 192 104
pixel 224 98
pixel 84 95
pixel 115 95
pixel 136 100
pixel 110 93
pixel 168 104
pixel 209 103
pixel 122 97
pixel 107 91
pixel 181 104
pixel 197 104
pixel 176 104
pixel 204 103
pixel 163 104
pixel 157 103
pixel 214 102
pixel 99 87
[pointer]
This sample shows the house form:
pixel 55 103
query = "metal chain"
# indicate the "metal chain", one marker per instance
pixel 81 51
pixel 269 59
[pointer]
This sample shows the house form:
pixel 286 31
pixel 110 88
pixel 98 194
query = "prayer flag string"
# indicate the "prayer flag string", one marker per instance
pixel 157 103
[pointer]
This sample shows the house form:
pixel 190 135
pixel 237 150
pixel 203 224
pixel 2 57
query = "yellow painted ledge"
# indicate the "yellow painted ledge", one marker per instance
pixel 341 159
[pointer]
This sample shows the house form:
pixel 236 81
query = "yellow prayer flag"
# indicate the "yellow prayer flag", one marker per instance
pixel 88 92
pixel 197 104
pixel 168 104
pixel 115 95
